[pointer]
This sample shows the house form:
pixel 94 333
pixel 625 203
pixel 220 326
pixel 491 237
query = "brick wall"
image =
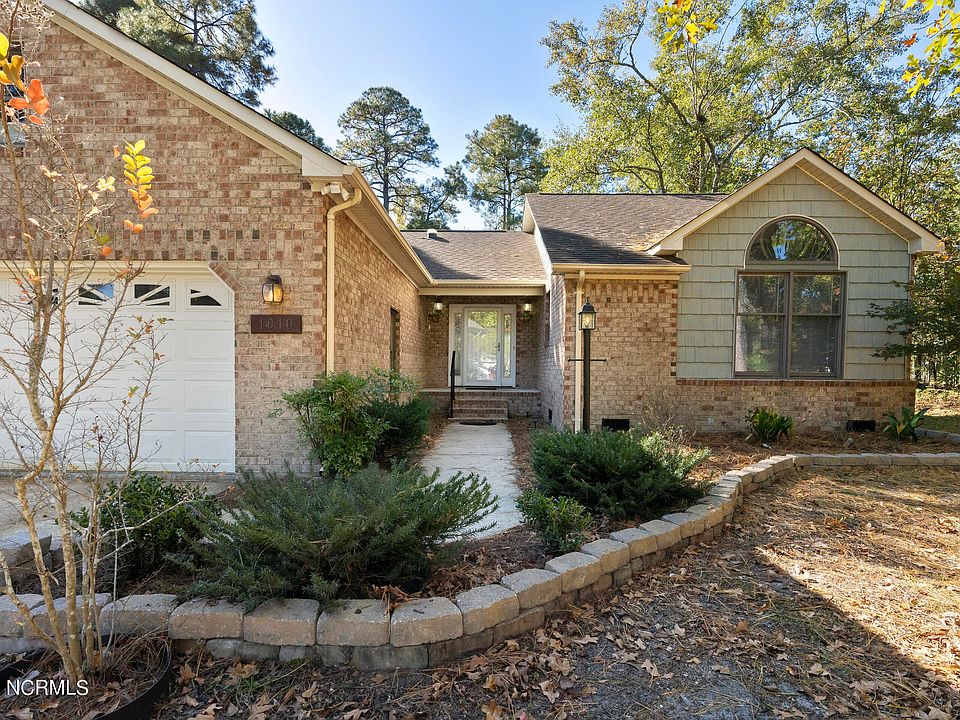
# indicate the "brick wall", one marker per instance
pixel 721 405
pixel 636 334
pixel 637 324
pixel 227 200
pixel 368 286
pixel 554 350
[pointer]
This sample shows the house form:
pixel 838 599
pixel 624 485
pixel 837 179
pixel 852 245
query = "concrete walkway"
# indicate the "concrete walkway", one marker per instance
pixel 488 451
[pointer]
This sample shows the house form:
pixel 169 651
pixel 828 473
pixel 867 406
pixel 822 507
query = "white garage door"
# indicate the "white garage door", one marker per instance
pixel 190 418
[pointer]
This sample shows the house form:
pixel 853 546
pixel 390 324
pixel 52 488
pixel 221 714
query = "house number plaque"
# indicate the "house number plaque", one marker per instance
pixel 260 324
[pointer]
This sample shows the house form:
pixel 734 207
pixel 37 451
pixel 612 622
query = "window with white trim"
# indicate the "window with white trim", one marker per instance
pixel 790 304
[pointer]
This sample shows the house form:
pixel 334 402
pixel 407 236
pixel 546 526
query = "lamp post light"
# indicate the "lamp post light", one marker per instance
pixel 588 322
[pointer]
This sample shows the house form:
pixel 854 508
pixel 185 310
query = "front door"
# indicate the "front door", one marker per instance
pixel 483 337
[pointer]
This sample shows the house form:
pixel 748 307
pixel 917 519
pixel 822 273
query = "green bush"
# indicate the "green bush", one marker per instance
pixel 560 522
pixel 620 475
pixel 406 425
pixel 767 426
pixel 349 420
pixel 147 518
pixel 293 536
pixel 905 426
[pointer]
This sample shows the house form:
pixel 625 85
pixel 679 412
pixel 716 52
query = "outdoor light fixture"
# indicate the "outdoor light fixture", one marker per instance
pixel 272 290
pixel 526 310
pixel 588 317
pixel 436 311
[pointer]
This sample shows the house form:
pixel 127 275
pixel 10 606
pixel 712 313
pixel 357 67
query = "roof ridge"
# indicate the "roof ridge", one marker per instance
pixel 631 194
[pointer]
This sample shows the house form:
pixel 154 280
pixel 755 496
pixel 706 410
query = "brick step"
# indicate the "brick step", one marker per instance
pixel 485 404
pixel 480 406
pixel 480 412
pixel 480 419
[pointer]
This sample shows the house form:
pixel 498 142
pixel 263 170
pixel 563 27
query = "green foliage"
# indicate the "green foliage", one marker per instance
pixel 434 203
pixel 507 162
pixel 349 420
pixel 299 126
pixel 407 423
pixel 219 41
pixel 147 518
pixel 904 426
pixel 560 522
pixel 387 138
pixel 714 116
pixel 928 320
pixel 621 475
pixel 293 536
pixel 768 426
pixel 335 418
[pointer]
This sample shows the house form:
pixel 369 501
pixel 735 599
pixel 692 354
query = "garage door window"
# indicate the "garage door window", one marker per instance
pixel 95 295
pixel 152 295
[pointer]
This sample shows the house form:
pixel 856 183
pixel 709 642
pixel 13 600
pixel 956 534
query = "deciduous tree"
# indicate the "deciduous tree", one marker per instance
pixel 387 138
pixel 65 426
pixel 707 116
pixel 506 162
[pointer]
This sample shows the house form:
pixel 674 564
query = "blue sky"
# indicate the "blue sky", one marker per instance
pixel 460 62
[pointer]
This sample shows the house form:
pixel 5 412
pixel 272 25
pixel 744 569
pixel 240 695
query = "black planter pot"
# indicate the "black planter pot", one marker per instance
pixel 138 708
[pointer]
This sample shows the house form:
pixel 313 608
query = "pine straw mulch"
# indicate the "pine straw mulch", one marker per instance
pixel 486 560
pixel 944 408
pixel 835 595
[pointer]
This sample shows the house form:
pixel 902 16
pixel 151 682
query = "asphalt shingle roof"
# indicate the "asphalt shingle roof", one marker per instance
pixel 611 229
pixel 478 254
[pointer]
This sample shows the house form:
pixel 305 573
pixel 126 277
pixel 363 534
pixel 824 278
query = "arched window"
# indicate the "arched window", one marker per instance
pixel 790 303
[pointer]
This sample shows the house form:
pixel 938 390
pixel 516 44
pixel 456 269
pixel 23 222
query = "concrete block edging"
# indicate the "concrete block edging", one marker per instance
pixel 428 631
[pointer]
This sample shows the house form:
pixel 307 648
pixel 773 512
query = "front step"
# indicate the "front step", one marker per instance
pixel 479 409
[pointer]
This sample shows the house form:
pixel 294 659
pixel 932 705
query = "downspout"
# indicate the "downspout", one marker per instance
pixel 577 372
pixel 331 265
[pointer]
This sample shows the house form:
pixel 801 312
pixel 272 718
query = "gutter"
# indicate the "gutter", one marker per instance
pixel 331 259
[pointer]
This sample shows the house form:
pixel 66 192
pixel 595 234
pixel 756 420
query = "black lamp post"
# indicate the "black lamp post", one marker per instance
pixel 588 322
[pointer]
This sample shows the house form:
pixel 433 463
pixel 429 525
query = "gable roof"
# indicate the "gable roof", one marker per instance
pixel 609 229
pixel 479 255
pixel 918 238
pixel 317 166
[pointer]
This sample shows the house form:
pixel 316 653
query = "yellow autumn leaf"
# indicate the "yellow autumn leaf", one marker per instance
pixel 142 160
pixel 4 46
pixel 137 147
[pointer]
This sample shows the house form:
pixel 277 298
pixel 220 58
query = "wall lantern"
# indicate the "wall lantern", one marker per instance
pixel 588 317
pixel 436 311
pixel 272 290
pixel 526 311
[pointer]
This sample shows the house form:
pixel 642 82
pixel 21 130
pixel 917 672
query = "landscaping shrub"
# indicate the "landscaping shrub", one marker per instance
pixel 148 518
pixel 904 426
pixel 294 536
pixel 767 426
pixel 349 420
pixel 560 522
pixel 620 475
pixel 406 425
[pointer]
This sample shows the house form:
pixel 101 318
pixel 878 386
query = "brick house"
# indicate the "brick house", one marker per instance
pixel 708 305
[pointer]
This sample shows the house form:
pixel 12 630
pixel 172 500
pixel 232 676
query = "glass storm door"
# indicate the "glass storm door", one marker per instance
pixel 488 346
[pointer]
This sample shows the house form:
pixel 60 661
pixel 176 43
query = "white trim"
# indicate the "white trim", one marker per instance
pixel 917 235
pixel 793 264
pixel 502 310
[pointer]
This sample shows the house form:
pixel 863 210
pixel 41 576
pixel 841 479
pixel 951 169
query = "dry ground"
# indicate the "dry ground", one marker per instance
pixel 836 595
pixel 944 407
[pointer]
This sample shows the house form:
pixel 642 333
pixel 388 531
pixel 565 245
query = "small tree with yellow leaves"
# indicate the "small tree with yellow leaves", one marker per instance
pixel 68 427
